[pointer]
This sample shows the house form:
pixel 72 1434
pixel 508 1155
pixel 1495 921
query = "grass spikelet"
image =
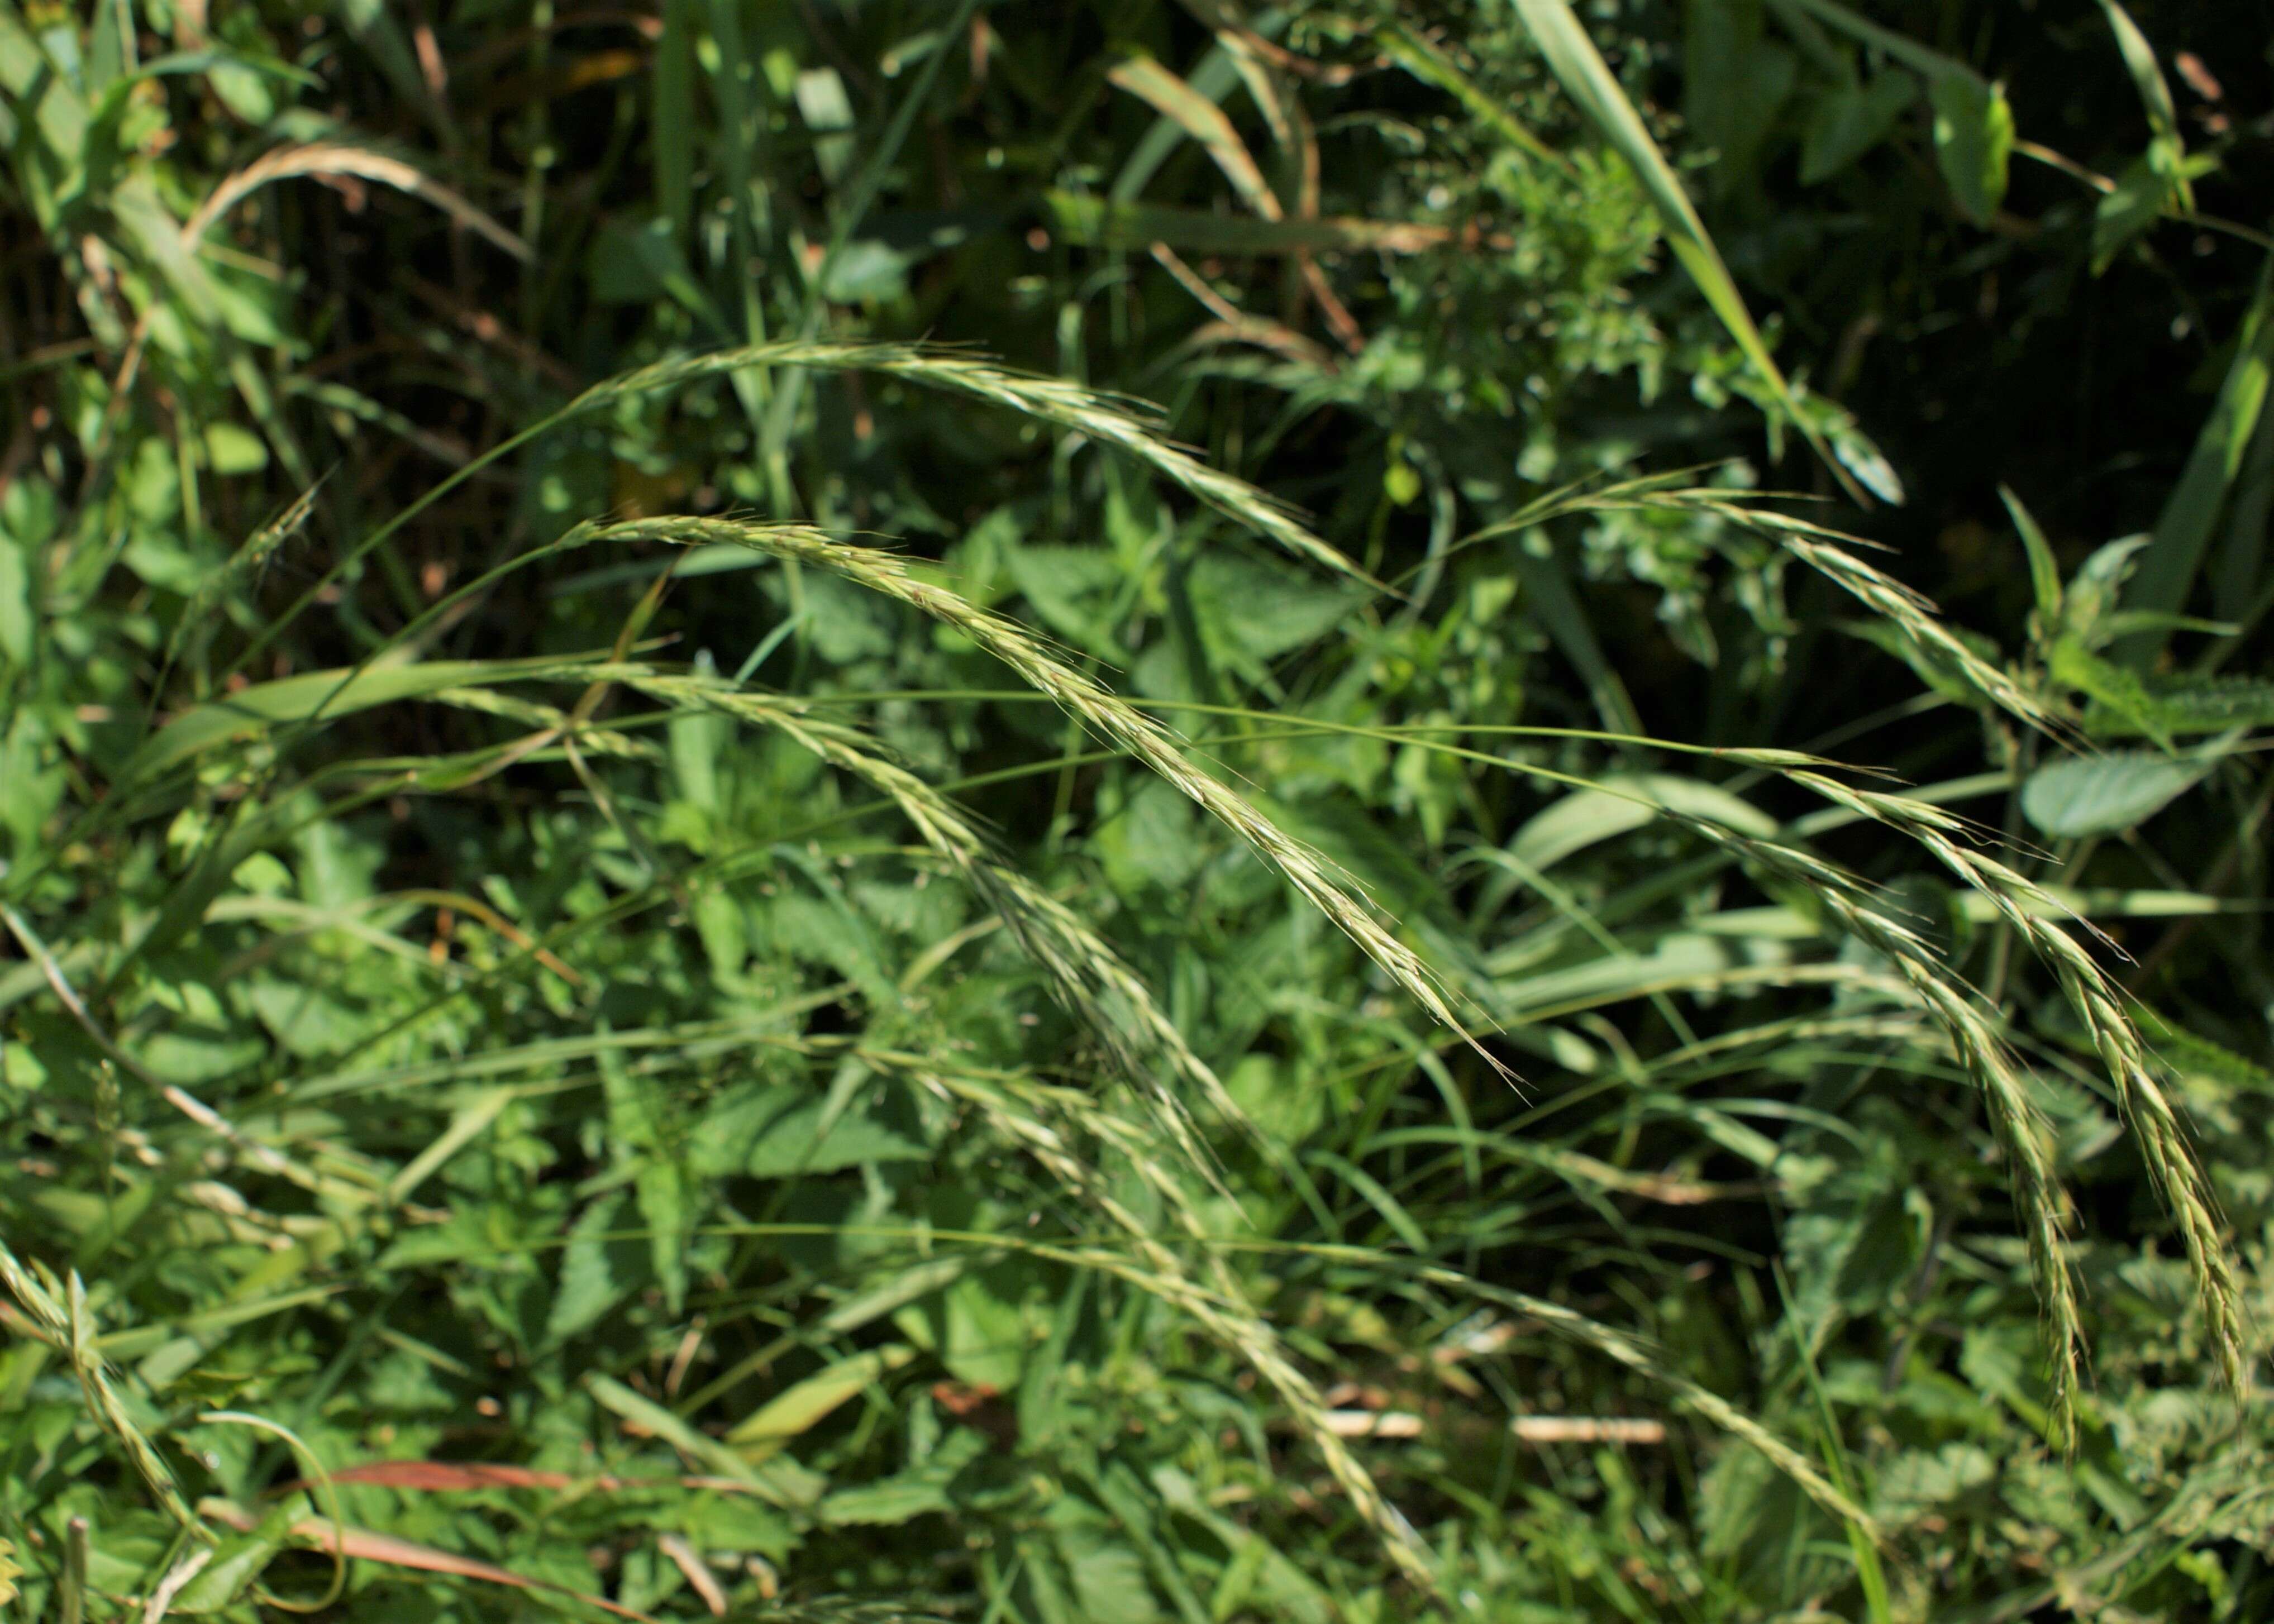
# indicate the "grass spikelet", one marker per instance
pixel 1089 975
pixel 335 158
pixel 68 1324
pixel 244 565
pixel 2032 914
pixel 1824 550
pixel 1103 712
pixel 1096 985
pixel 1219 1307
pixel 1986 1058
pixel 1123 425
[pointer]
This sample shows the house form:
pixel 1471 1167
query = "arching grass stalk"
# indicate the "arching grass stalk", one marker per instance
pixel 1120 424
pixel 1104 712
pixel 2027 907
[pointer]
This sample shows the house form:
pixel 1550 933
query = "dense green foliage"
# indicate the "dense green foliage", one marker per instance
pixel 1009 810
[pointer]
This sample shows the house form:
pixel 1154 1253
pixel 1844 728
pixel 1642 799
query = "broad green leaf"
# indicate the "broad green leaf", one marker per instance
pixel 2114 689
pixel 1847 121
pixel 635 264
pixel 777 1132
pixel 1626 803
pixel 31 78
pixel 1072 591
pixel 2093 592
pixel 306 1022
pixel 2146 190
pixel 16 615
pixel 2171 706
pixel 1108 1577
pixel 2100 794
pixel 2147 76
pixel 1252 610
pixel 2190 1053
pixel 803 1406
pixel 659 1184
pixel 1153 838
pixel 598 1271
pixel 906 1495
pixel 237 1562
pixel 827 111
pixel 1915 1483
pixel 979 1328
pixel 111 53
pixel 1973 124
pixel 1973 141
pixel 231 449
pixel 699 742
pixel 649 1417
pixel 716 1521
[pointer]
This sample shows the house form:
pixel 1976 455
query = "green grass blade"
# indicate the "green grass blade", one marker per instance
pixel 2044 572
pixel 2140 62
pixel 1870 1573
pixel 781 411
pixel 1425 62
pixel 2168 568
pixel 1587 78
pixel 674 121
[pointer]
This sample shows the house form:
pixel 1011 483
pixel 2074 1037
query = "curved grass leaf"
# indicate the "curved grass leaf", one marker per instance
pixel 1589 83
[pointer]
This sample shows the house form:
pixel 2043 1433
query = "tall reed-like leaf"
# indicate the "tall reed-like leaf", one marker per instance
pixel 2173 558
pixel 1587 78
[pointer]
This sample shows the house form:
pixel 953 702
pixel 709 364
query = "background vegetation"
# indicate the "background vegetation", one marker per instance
pixel 1013 810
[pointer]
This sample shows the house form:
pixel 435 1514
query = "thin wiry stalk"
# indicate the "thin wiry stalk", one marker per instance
pixel 1104 712
pixel 1639 1357
pixel 1125 425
